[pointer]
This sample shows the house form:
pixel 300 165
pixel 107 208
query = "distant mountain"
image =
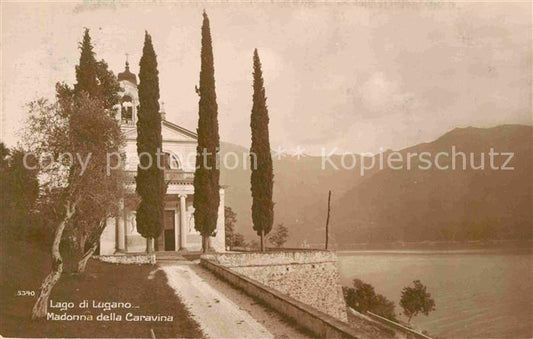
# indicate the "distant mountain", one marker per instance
pixel 300 187
pixel 403 205
pixel 417 205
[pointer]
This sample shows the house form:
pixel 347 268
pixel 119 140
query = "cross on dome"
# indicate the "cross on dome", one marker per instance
pixel 127 75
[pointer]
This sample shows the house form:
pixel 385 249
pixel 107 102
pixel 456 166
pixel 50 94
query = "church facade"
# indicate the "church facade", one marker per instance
pixel 179 147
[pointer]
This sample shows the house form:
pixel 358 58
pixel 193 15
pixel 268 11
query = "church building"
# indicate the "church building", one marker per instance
pixel 179 147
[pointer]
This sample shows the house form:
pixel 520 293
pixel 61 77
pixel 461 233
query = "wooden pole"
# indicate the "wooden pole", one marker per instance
pixel 327 220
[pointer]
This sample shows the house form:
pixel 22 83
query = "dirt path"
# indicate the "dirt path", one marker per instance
pixel 221 310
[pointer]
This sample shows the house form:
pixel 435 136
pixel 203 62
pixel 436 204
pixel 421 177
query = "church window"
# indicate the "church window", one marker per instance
pixel 127 108
pixel 171 161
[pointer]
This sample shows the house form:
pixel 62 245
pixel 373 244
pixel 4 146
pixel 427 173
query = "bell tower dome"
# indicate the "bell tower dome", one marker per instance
pixel 129 101
pixel 127 75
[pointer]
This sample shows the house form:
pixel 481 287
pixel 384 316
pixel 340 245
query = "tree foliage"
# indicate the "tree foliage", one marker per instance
pixel 233 239
pixel 109 87
pixel 207 174
pixel 254 245
pixel 82 128
pixel 363 298
pixel 415 299
pixel 262 178
pixel 150 181
pixel 238 240
pixel 279 236
pixel 19 189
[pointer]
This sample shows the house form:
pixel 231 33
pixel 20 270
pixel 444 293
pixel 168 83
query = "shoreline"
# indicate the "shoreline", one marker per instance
pixel 444 246
pixel 429 251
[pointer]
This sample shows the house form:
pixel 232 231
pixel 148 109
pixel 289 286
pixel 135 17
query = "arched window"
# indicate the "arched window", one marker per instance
pixel 127 108
pixel 171 161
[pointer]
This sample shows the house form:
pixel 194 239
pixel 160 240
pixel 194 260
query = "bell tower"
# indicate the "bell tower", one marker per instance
pixel 129 101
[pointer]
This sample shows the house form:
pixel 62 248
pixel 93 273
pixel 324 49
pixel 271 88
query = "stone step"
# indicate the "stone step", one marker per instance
pixel 169 257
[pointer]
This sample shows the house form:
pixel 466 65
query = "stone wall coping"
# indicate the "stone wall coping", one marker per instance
pixel 340 327
pixel 273 258
pixel 278 249
pixel 282 264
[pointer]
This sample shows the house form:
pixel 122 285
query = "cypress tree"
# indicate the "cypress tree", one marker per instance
pixel 262 177
pixel 206 178
pixel 86 71
pixel 99 84
pixel 150 184
pixel 93 77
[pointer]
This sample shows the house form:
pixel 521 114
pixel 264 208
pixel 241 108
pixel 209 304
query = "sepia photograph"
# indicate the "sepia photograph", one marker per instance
pixel 266 169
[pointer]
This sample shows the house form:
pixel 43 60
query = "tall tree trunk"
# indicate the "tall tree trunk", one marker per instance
pixel 205 243
pixel 93 241
pixel 262 240
pixel 82 263
pixel 81 244
pixel 149 245
pixel 41 305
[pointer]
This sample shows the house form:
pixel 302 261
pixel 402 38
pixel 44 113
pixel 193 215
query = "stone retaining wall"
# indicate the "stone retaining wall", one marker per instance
pixel 128 259
pixel 319 323
pixel 311 277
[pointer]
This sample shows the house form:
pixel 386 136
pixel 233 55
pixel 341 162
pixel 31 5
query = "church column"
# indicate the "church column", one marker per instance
pixel 125 224
pixel 176 231
pixel 121 236
pixel 183 221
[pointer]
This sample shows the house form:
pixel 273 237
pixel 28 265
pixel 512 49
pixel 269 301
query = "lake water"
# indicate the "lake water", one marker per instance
pixel 477 293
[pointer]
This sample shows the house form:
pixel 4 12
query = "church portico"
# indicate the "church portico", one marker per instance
pixel 178 224
pixel 178 233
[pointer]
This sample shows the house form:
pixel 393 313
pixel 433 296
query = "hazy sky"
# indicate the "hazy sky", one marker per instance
pixel 353 76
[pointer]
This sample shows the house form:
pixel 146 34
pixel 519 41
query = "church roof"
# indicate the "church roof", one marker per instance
pixel 127 75
pixel 180 129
